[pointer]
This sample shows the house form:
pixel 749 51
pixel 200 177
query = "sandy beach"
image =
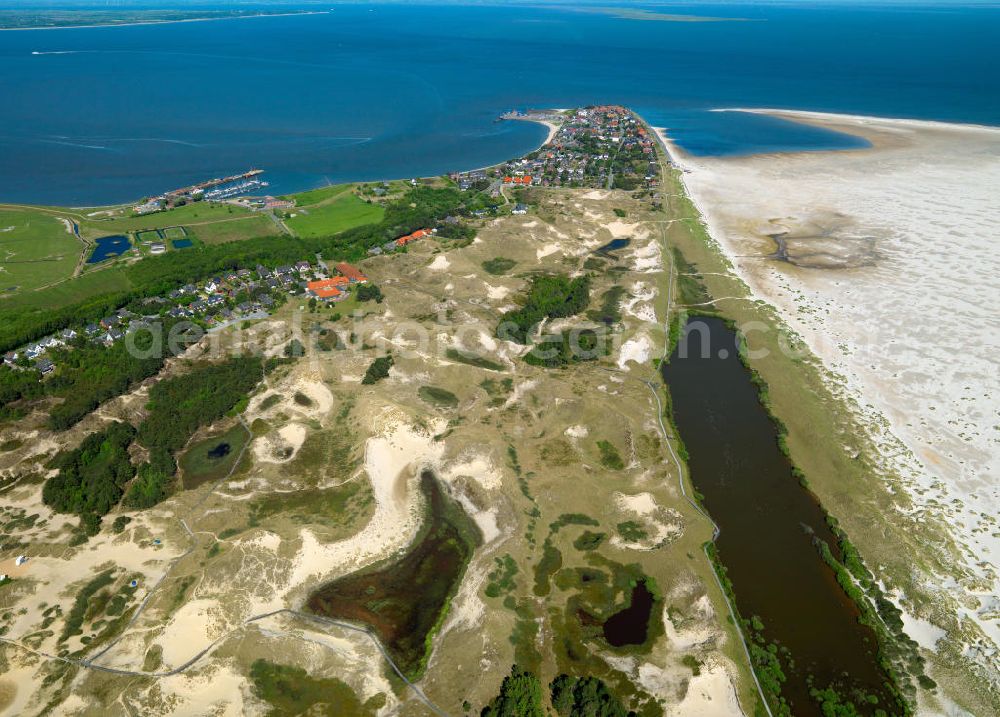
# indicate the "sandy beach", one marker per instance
pixel 884 261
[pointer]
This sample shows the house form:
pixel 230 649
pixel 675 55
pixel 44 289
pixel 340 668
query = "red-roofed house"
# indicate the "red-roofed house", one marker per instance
pixel 329 289
pixel 351 273
pixel 420 233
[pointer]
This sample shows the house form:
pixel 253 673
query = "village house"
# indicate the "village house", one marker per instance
pixel 351 273
pixel 332 289
pixel 418 234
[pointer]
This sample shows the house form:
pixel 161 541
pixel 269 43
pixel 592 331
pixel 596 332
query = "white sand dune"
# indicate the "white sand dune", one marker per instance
pixel 896 289
pixel 392 460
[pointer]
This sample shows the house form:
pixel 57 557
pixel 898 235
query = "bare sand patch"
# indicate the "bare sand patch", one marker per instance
pixel 475 464
pixel 546 250
pixel 282 446
pixel 620 229
pixel 217 691
pixel 496 293
pixel 637 349
pixel 440 263
pixel 648 258
pixel 709 694
pixel 661 524
pixel 196 623
pixel 577 431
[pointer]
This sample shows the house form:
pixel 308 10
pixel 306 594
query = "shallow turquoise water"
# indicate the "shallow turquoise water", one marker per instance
pixel 381 92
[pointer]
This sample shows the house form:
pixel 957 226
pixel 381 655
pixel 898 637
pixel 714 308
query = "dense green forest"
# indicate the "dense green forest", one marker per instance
pixel 90 374
pixel 585 697
pixel 158 275
pixel 17 385
pixel 520 696
pixel 92 478
pixel 570 346
pixel 178 407
pixel 552 297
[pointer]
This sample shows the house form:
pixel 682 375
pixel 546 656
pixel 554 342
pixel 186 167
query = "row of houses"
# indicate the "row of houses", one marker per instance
pixel 218 300
pixel 402 241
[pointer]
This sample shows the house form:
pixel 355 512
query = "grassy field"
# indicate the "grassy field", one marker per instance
pixel 244 227
pixel 35 249
pixel 92 283
pixel 334 213
pixel 212 458
pixel 316 196
pixel 119 222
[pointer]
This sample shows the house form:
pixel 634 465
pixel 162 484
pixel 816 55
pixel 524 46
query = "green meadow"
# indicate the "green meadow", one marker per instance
pixel 334 211
pixel 35 250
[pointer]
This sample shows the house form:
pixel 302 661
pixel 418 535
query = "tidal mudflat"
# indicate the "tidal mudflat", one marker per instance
pixel 883 261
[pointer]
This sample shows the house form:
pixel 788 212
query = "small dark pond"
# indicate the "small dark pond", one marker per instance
pixel 612 245
pixel 768 524
pixel 630 626
pixel 108 247
pixel 182 243
pixel 220 451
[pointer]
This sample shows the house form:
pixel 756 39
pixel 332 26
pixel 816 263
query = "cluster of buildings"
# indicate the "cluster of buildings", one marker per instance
pixel 593 147
pixel 402 241
pixel 239 294
pixel 335 288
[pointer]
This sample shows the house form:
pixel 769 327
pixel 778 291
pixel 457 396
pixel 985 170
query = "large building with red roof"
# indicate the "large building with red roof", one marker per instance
pixel 351 273
pixel 332 289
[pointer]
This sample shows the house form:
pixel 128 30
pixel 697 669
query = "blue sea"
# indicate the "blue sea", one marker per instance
pixel 101 115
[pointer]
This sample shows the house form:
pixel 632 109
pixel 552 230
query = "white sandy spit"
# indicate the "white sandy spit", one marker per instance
pixel 910 326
